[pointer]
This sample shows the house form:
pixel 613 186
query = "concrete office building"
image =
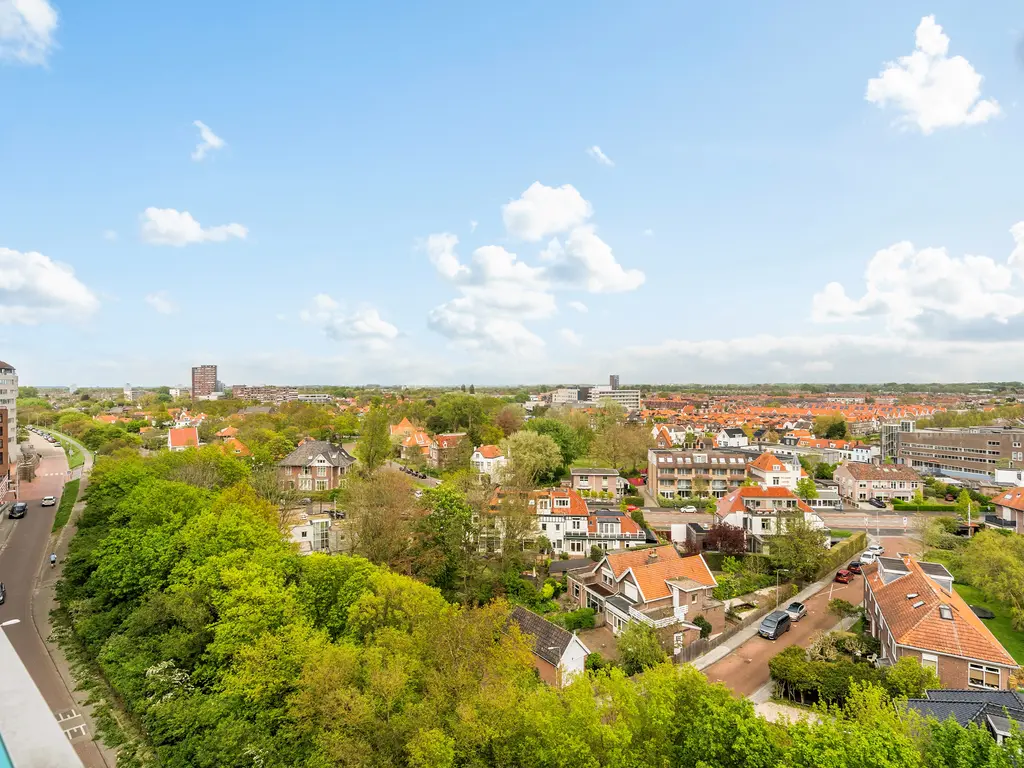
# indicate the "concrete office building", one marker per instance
pixel 613 381
pixel 974 451
pixel 204 381
pixel 890 432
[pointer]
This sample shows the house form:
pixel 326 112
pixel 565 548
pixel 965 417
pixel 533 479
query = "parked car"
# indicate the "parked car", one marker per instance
pixel 877 503
pixel 796 610
pixel 854 567
pixel 775 625
pixel 688 508
pixel 49 501
pixel 867 558
pixel 18 510
pixel 843 576
pixel 950 497
pixel 877 549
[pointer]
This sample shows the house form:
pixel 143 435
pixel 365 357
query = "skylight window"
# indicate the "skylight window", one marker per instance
pixel 946 612
pixel 911 596
pixel 918 604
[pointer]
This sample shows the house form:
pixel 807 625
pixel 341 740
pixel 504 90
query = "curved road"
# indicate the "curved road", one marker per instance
pixel 24 554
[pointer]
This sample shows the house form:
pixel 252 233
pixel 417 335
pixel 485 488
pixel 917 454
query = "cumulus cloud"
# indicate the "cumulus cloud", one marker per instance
pixel 579 306
pixel 929 88
pixel 363 326
pixel 570 337
pixel 586 261
pixel 166 226
pixel 34 288
pixel 162 303
pixel 208 140
pixel 596 153
pixel 26 31
pixel 1017 257
pixel 542 211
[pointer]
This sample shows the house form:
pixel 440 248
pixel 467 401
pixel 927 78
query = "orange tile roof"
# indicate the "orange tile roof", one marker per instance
pixel 1013 498
pixel 490 451
pixel 228 432
pixel 923 627
pixel 404 427
pixel 768 462
pixel 653 577
pixel 733 502
pixel 449 440
pixel 184 437
pixel 235 447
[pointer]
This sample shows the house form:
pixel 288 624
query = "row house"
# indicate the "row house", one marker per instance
pixel 913 610
pixel 655 586
pixel 1009 511
pixel 841 450
pixel 443 449
pixel 598 480
pixel 316 465
pixel 763 512
pixel 669 435
pixel 681 474
pixel 860 482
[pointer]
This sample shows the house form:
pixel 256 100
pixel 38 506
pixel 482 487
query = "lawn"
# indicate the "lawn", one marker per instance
pixel 67 503
pixel 1000 626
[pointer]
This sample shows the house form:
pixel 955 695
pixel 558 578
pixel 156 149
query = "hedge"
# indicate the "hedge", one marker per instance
pixel 951 509
pixel 843 553
pixel 687 502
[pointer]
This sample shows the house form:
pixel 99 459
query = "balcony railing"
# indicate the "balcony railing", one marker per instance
pixel 1000 522
pixel 677 615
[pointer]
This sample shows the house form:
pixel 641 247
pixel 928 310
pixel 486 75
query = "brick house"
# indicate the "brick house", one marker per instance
pixel 1009 510
pixel 763 512
pixel 416 445
pixel 656 586
pixel 913 610
pixel 860 482
pixel 316 465
pixel 443 449
pixel 402 429
pixel 773 471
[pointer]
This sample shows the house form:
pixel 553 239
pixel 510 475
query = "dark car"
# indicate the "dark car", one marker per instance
pixel 877 503
pixel 854 567
pixel 775 625
pixel 18 510
pixel 843 576
pixel 950 497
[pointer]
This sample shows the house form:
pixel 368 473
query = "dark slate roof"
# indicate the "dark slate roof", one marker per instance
pixel 935 569
pixel 893 564
pixel 621 602
pixel 697 528
pixel 561 566
pixel 970 706
pixel 734 432
pixel 549 640
pixel 306 454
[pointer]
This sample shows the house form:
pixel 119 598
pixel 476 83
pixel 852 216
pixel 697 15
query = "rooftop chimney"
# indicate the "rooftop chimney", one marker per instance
pixel 652 556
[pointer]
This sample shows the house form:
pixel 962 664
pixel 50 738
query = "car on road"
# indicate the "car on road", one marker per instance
pixel 877 503
pixel 796 610
pixel 775 625
pixel 854 567
pixel 867 558
pixel 48 501
pixel 18 510
pixel 843 576
pixel 876 550
pixel 688 508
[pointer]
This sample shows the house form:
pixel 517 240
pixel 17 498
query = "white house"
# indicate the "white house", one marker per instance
pixel 764 511
pixel 732 437
pixel 488 460
pixel 311 533
pixel 771 471
pixel 1011 477
pixel 558 655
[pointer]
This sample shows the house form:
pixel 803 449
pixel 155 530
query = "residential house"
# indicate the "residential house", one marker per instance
pixel 763 512
pixel 835 451
pixel 680 474
pixel 656 586
pixel 860 482
pixel 402 429
pixel 596 481
pixel 488 460
pixel 316 532
pixel 768 469
pixel 732 437
pixel 416 445
pixel 559 656
pixel 227 432
pixel 316 465
pixel 913 610
pixel 668 435
pixel 993 710
pixel 443 449
pixel 180 438
pixel 235 447
pixel 1009 511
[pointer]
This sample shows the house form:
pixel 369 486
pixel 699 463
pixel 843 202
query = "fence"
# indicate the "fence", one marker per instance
pixel 700 647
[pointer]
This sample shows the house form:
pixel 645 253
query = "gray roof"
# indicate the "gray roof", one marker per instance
pixel 734 432
pixel 621 602
pixel 966 706
pixel 893 564
pixel 549 640
pixel 307 453
pixel 594 471
pixel 561 566
pixel 936 569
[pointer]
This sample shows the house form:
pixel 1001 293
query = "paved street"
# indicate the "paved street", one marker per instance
pixel 24 557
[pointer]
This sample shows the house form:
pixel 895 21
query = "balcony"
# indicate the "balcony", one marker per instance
pixel 662 618
pixel 999 522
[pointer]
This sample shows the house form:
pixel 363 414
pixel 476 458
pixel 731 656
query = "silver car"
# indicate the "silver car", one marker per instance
pixel 796 610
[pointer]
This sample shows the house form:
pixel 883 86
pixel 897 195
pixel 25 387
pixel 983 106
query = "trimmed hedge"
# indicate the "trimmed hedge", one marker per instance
pixel 843 553
pixel 949 508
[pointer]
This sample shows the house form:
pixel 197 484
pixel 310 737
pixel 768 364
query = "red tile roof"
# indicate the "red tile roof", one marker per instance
pixel 228 432
pixel 652 576
pixel 767 462
pixel 490 451
pixel 183 437
pixel 235 447
pixel 734 501
pixel 861 471
pixel 1013 498
pixel 449 440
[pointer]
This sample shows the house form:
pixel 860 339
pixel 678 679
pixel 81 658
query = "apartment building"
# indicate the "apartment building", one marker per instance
pixel 763 512
pixel 204 381
pixel 8 470
pixel 890 432
pixel 974 451
pixel 9 426
pixel 1009 511
pixel 860 482
pixel 315 398
pixel 679 474
pixel 592 396
pixel 598 480
pixel 913 610
pixel 264 394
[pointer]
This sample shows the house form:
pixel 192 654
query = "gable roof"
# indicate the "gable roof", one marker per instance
pixel 734 432
pixel 549 640
pixel 861 471
pixel 308 452
pixel 183 437
pixel 652 576
pixel 490 451
pixel 1012 498
pixel 969 705
pixel 404 427
pixel 449 439
pixel 735 501
pixel 923 627
pixel 235 447
pixel 768 462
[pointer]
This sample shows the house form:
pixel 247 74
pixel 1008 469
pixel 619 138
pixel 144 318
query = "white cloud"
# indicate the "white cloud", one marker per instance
pixel 208 140
pixel 541 211
pixel 931 89
pixel 364 326
pixel 818 366
pixel 26 30
pixel 915 290
pixel 33 288
pixel 440 250
pixel 461 321
pixel 586 261
pixel 110 235
pixel 579 306
pixel 570 337
pixel 162 303
pixel 1016 260
pixel 166 226
pixel 596 153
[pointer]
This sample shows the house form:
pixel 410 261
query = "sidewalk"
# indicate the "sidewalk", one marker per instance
pixel 720 652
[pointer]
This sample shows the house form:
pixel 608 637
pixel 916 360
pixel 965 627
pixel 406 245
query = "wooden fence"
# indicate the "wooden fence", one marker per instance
pixel 700 647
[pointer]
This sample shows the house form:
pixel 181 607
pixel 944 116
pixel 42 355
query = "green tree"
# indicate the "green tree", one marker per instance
pixel 918 496
pixel 568 440
pixel 799 550
pixel 510 419
pixel 806 489
pixel 831 426
pixel 531 456
pixel 908 679
pixel 639 648
pixel 374 447
pixel 446 540
pixel 963 502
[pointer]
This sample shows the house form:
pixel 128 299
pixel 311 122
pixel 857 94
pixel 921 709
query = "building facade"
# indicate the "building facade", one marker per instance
pixel 860 482
pixel 204 381
pixel 488 460
pixel 598 481
pixel 9 400
pixel 976 451
pixel 769 470
pixel 890 432
pixel 1009 511
pixel 558 655
pixel 316 465
pixel 443 449
pixel 264 393
pixel 680 474
pixel 763 512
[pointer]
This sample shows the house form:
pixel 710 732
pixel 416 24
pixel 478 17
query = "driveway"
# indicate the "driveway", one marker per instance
pixel 746 668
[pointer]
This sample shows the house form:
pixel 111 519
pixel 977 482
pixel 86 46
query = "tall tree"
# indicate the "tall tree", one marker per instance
pixel 831 426
pixel 374 447
pixel 447 542
pixel 806 489
pixel 510 419
pixel 639 648
pixel 381 514
pixel 799 550
pixel 531 456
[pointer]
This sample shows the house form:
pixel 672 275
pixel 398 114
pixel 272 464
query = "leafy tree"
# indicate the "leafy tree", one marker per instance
pixel 963 502
pixel 596 553
pixel 919 496
pixel 568 440
pixel 374 447
pixel 725 538
pixel 639 648
pixel 842 609
pixel 382 512
pixel 510 419
pixel 799 550
pixel 994 563
pixel 446 540
pixel 531 456
pixel 831 426
pixel 806 489
pixel 705 626
pixel 908 679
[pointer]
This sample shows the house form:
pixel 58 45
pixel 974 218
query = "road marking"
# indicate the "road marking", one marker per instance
pixel 77 732
pixel 66 714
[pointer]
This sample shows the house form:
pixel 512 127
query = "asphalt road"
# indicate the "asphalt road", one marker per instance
pixel 24 558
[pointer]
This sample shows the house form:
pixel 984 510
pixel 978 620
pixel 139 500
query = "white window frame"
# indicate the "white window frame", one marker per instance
pixel 985 672
pixel 930 661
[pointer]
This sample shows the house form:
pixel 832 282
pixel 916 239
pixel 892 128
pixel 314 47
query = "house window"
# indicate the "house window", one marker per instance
pixel 775 481
pixel 304 471
pixel 693 598
pixel 321 485
pixel 305 484
pixel 321 471
pixel 930 661
pixel 982 677
pixel 303 534
pixel 575 525
pixel 677 642
pixel 543 526
pixel 607 579
pixel 766 524
pixel 575 589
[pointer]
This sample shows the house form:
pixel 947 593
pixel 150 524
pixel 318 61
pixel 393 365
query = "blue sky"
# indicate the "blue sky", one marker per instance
pixel 752 166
